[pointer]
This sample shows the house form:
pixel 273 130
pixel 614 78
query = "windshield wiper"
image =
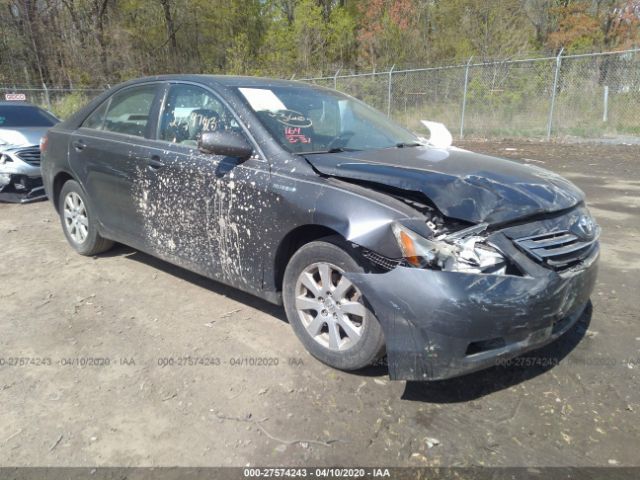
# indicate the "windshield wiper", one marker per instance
pixel 342 149
pixel 408 144
pixel 331 150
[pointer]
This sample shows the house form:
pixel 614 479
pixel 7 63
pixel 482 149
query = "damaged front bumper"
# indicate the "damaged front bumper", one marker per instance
pixel 440 324
pixel 20 177
pixel 21 188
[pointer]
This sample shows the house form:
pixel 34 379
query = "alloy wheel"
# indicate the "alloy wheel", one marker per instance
pixel 330 306
pixel 76 220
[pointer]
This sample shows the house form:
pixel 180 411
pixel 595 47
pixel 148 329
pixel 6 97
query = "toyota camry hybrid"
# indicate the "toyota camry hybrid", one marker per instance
pixel 374 240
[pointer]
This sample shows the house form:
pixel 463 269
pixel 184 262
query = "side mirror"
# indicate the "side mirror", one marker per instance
pixel 225 143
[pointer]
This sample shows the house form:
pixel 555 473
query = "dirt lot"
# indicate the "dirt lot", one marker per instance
pixel 578 405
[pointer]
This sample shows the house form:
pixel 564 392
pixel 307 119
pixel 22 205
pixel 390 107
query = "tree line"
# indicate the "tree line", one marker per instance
pixel 96 42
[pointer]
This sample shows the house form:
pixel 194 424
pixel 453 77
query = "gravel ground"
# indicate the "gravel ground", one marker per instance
pixel 577 405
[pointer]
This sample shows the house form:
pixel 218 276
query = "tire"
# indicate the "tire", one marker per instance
pixel 328 325
pixel 78 222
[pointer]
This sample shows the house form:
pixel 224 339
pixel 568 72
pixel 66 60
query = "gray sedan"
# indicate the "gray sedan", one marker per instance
pixel 374 241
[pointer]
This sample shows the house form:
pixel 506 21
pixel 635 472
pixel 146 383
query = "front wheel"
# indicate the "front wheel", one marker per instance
pixel 326 310
pixel 78 223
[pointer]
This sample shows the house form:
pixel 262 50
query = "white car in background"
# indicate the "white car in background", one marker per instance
pixel 22 125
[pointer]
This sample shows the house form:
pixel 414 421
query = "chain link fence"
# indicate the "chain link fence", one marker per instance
pixel 588 96
pixel 62 101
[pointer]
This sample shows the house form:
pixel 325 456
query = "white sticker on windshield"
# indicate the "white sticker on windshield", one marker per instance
pixel 262 99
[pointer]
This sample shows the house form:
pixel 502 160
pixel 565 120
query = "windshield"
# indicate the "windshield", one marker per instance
pixel 25 116
pixel 309 120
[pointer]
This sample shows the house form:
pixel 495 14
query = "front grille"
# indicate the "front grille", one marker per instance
pixel 31 155
pixel 558 250
pixel 379 260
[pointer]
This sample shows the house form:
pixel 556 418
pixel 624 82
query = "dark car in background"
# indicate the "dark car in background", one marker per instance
pixel 375 242
pixel 22 125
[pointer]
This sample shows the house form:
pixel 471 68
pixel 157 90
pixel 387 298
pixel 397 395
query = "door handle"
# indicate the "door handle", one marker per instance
pixel 155 163
pixel 79 145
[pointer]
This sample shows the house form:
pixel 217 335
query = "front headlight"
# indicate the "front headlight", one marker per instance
pixel 462 251
pixel 5 179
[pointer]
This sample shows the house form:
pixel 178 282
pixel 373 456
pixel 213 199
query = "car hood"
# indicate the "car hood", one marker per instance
pixel 462 185
pixel 20 136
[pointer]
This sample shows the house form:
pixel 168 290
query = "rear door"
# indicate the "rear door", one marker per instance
pixel 108 151
pixel 205 212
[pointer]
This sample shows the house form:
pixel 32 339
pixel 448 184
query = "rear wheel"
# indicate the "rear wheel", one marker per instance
pixel 78 223
pixel 326 310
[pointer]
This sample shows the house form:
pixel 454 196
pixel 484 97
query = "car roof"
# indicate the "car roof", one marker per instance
pixel 224 80
pixel 212 81
pixel 6 103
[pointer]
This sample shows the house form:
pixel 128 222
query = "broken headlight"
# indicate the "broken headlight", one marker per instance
pixel 462 251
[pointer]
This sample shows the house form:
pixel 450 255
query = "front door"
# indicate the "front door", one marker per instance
pixel 205 212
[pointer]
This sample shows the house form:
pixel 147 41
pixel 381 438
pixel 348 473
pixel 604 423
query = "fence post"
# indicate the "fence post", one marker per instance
pixel 389 92
pixel 605 114
pixel 464 97
pixel 46 96
pixel 553 94
pixel 335 79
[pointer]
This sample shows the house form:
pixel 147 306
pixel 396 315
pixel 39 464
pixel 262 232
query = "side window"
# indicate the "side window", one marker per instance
pixel 96 119
pixel 191 110
pixel 129 111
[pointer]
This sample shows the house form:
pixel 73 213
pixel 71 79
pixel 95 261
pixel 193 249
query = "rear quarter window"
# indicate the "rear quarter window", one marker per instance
pixel 96 119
